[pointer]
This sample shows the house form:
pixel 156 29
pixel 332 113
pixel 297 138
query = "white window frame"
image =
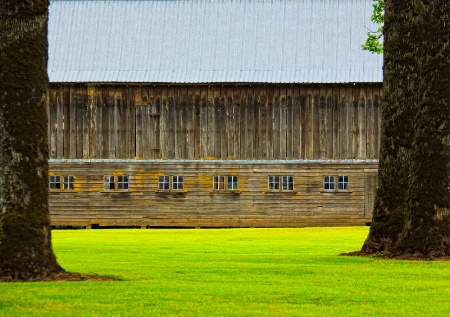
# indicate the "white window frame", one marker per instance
pixel 170 183
pixel 280 182
pixel 342 182
pixel 111 182
pixel 225 183
pixel 329 183
pixel 336 183
pixel 123 182
pixel 69 182
pixel 60 182
pixel 54 182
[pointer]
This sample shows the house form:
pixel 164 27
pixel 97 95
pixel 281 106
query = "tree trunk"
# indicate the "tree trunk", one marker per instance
pixel 411 213
pixel 25 240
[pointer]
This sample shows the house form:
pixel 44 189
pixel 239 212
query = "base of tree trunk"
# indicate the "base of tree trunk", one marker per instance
pixel 63 277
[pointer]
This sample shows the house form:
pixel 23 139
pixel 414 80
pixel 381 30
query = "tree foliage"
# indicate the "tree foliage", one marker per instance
pixel 374 42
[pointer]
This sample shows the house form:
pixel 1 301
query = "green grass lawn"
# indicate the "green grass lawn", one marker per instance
pixel 230 272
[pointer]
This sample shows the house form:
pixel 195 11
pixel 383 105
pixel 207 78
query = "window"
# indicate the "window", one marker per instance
pixel 177 183
pixel 69 181
pixel 170 183
pixel 55 182
pixel 283 183
pixel 229 182
pixel 329 183
pixel 109 182
pixel 342 182
pixel 61 182
pixel 122 182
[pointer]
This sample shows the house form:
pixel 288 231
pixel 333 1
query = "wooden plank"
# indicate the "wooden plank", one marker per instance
pixel 343 124
pixel 370 185
pixel 355 122
pixel 350 110
pixel 289 91
pixel 296 123
pixel 86 116
pixel 225 121
pixel 249 123
pixel 279 126
pixel 172 123
pixel 316 117
pixel 370 117
pixel 211 132
pixel 99 123
pixel 164 122
pixel 196 122
pixel 329 113
pixel 66 120
pixel 362 122
pixel 155 123
pixel 308 127
pixel 136 101
pixel 322 124
pixel 336 122
pixel 60 123
pixel 262 122
pixel 72 131
pixel 272 111
pixel 107 113
pixel 204 122
pixel 91 115
pixel 219 112
pixel 237 121
pixel 53 122
pixel 377 121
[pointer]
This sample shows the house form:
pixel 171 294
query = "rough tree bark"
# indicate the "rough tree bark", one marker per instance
pixel 411 213
pixel 25 240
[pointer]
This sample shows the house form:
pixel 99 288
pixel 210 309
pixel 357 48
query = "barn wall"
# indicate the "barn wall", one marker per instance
pixel 253 205
pixel 335 121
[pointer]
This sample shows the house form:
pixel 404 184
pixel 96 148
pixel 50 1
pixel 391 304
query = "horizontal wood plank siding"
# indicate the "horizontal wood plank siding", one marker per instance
pixel 334 121
pixel 199 205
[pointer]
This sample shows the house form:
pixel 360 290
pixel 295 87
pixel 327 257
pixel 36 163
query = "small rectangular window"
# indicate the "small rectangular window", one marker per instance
pixel 229 182
pixel 69 181
pixel 342 182
pixel 232 182
pixel 163 183
pixel 283 183
pixel 328 183
pixel 219 182
pixel 177 183
pixel 122 182
pixel 109 182
pixel 274 182
pixel 55 182
pixel 288 182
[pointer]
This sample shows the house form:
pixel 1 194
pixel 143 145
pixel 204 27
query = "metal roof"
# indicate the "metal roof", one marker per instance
pixel 211 41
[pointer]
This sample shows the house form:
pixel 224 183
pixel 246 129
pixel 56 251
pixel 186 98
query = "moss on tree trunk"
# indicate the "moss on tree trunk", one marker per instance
pixel 25 237
pixel 411 213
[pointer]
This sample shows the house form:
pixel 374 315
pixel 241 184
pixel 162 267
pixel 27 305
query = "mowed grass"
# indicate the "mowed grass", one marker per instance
pixel 230 272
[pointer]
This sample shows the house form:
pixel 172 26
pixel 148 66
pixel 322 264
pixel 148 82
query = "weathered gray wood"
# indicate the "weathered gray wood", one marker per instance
pixel 254 206
pixel 370 185
pixel 219 121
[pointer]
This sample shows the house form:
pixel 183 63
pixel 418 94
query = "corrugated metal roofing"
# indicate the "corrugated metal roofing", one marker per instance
pixel 211 41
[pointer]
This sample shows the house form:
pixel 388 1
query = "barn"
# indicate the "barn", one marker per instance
pixel 212 113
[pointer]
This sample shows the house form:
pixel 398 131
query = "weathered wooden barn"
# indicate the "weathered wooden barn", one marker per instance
pixel 212 113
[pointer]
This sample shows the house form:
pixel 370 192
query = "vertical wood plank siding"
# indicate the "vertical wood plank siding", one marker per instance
pixel 215 121
pixel 198 131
